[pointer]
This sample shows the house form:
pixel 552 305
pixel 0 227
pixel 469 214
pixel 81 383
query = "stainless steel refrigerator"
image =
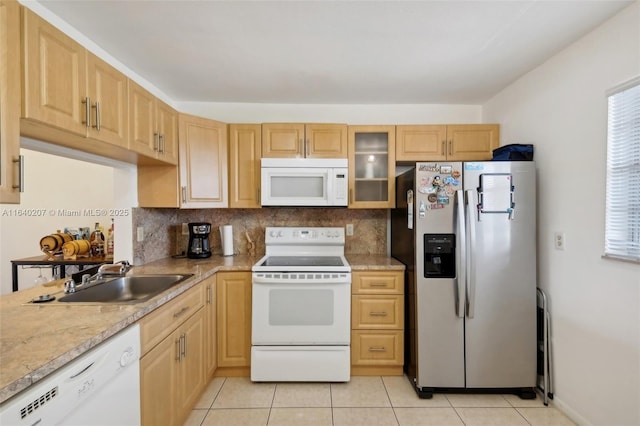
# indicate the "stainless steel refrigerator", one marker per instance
pixel 467 235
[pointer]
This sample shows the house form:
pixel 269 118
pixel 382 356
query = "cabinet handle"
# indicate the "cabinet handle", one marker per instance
pixel 184 194
pixel 161 143
pixel 208 295
pixel 178 349
pixel 97 107
pixel 378 284
pixel 377 349
pixel 20 185
pixel 443 150
pixel 156 141
pixel 306 148
pixel 350 196
pixel 450 147
pixel 378 314
pixel 181 312
pixel 184 345
pixel 87 111
pixel 301 147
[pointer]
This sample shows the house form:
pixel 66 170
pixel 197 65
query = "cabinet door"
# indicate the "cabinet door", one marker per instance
pixel 372 166
pixel 234 319
pixel 108 91
pixel 211 331
pixel 377 312
pixel 245 147
pixel 203 162
pixel 55 76
pixel 191 377
pixel 280 140
pixel 377 282
pixel 326 140
pixel 421 143
pixel 472 142
pixel 9 101
pixel 158 378
pixel 143 134
pixel 167 128
pixel 377 348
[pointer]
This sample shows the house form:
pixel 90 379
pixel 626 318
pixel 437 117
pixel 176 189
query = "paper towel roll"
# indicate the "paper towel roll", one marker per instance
pixel 226 237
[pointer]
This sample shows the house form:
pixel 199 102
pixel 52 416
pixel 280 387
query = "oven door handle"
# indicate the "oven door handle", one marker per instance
pixel 341 280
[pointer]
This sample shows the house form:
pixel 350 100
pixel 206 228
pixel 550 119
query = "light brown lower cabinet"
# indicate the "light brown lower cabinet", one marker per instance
pixel 377 323
pixel 234 323
pixel 172 374
pixel 211 319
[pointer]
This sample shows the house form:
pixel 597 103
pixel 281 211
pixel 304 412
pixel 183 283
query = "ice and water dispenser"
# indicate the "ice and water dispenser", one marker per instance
pixel 439 255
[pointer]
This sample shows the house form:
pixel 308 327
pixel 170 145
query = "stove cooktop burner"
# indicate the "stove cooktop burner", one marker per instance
pixel 311 261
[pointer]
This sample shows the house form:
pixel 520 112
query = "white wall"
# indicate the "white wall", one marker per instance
pixel 349 114
pixel 560 107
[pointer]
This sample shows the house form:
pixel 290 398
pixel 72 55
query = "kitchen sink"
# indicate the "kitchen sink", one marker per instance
pixel 128 289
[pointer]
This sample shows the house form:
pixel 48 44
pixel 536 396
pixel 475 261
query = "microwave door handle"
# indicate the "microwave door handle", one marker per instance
pixel 330 177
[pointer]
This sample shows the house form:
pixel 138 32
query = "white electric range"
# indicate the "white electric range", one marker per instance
pixel 301 307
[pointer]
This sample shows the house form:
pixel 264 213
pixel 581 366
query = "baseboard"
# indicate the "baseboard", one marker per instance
pixel 569 412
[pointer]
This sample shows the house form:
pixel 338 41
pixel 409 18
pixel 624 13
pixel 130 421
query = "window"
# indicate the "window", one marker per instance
pixel 622 227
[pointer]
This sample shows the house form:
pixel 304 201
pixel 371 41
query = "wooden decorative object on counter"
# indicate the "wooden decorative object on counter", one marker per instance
pixel 52 244
pixel 75 248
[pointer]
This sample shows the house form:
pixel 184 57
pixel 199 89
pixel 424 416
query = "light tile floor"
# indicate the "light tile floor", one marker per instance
pixel 370 401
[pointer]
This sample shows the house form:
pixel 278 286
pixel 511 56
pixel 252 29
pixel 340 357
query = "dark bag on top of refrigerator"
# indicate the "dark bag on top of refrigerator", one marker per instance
pixel 513 152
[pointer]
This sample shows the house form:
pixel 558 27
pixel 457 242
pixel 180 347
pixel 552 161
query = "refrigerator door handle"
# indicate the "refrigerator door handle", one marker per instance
pixel 461 264
pixel 471 286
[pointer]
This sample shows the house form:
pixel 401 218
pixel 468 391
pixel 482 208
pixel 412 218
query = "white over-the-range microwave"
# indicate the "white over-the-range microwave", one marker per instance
pixel 313 182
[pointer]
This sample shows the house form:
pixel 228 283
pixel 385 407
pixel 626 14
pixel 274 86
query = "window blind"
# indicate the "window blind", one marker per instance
pixel 622 227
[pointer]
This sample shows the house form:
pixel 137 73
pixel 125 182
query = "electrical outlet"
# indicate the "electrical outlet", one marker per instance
pixel 185 229
pixel 140 232
pixel 559 240
pixel 349 229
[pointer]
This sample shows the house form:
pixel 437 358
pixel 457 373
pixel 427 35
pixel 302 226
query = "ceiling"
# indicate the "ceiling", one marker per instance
pixel 332 52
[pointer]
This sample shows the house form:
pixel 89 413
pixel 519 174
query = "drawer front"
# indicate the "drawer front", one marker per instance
pixel 377 282
pixel 377 348
pixel 377 312
pixel 161 322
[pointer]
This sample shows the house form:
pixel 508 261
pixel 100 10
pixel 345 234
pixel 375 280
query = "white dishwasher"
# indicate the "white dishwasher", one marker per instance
pixel 100 387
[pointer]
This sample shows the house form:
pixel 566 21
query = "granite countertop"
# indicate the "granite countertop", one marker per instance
pixel 372 262
pixel 37 339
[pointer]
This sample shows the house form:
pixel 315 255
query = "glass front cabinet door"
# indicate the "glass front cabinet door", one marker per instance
pixel 371 167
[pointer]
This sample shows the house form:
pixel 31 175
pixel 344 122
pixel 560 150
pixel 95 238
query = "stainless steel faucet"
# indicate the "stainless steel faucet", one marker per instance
pixel 118 269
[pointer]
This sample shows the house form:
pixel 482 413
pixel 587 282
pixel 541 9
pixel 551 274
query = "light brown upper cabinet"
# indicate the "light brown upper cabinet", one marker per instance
pixel 70 89
pixel 460 142
pixel 372 167
pixel 280 140
pixel 245 147
pixel 109 103
pixel 203 162
pixel 200 180
pixel 10 160
pixel 153 125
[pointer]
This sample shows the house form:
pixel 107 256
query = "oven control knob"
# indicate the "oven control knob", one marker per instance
pixel 280 234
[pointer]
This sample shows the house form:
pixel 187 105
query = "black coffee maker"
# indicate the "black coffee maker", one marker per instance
pixel 199 240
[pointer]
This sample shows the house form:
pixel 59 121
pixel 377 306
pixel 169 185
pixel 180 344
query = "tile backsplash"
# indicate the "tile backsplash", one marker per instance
pixel 163 228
